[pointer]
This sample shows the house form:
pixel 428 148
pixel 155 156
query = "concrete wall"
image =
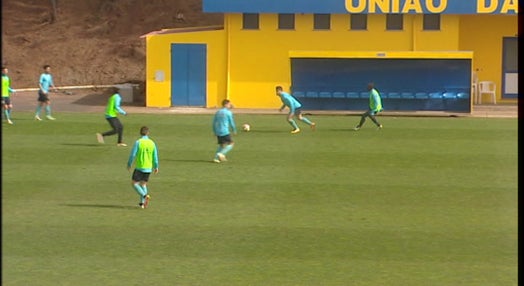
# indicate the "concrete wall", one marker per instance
pixel 260 58
pixel 246 65
pixel 158 93
pixel 483 35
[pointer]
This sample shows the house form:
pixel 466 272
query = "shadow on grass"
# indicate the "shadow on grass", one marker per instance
pixel 83 144
pixel 15 119
pixel 101 206
pixel 339 129
pixel 189 160
pixel 266 131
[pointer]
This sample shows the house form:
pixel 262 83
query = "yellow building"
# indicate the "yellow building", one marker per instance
pixel 422 55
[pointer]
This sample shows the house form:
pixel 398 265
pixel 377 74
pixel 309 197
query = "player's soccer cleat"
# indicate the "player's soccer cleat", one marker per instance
pixel 99 138
pixel 356 128
pixel 380 126
pixel 50 117
pixel 222 157
pixel 146 201
pixel 216 160
pixel 9 121
pixel 295 131
pixel 38 118
pixel 121 144
pixel 313 126
pixel 141 205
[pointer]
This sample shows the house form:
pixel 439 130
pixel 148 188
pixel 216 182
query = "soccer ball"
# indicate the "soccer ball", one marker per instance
pixel 246 127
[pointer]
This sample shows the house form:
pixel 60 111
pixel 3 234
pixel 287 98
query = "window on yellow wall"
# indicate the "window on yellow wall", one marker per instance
pixel 322 21
pixel 431 22
pixel 250 21
pixel 394 22
pixel 286 21
pixel 358 22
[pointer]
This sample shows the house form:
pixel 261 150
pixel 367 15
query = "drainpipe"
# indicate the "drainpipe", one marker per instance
pixel 413 33
pixel 228 55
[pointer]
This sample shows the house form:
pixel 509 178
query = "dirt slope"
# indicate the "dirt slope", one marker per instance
pixel 89 41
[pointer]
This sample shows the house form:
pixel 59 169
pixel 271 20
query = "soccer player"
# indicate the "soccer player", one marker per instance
pixel 45 82
pixel 375 106
pixel 294 110
pixel 145 153
pixel 112 110
pixel 223 123
pixel 6 95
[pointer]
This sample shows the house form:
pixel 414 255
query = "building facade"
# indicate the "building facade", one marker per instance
pixel 422 55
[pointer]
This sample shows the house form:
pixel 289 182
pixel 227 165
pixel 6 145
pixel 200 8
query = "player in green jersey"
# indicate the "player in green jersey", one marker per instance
pixel 375 106
pixel 112 110
pixel 145 156
pixel 6 95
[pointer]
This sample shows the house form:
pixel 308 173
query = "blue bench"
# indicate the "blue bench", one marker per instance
pixel 364 94
pixel 352 95
pixel 435 95
pixel 393 95
pixel 339 94
pixel 324 94
pixel 311 94
pixel 299 94
pixel 341 98
pixel 421 95
pixel 407 95
pixel 449 95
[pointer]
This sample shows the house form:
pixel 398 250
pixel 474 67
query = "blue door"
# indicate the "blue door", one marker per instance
pixel 188 74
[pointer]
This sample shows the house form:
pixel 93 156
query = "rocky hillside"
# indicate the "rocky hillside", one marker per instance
pixel 88 41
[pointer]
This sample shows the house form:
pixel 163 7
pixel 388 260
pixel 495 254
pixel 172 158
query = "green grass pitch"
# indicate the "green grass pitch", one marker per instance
pixel 425 201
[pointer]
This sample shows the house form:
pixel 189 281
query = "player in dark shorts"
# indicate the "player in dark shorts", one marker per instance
pixel 45 83
pixel 42 97
pixel 144 156
pixel 223 124
pixel 6 95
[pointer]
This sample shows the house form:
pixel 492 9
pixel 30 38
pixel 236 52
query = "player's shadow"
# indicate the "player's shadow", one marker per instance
pixel 100 206
pixel 340 129
pixel 187 160
pixel 83 144
pixel 22 119
pixel 267 131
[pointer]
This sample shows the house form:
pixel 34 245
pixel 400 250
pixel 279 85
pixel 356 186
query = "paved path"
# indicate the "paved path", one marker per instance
pixel 94 101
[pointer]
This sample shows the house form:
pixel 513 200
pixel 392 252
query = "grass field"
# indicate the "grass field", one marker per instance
pixel 425 201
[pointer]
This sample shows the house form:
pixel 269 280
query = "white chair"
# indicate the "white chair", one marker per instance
pixel 487 87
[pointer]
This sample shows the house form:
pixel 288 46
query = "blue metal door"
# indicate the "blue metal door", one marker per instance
pixel 188 74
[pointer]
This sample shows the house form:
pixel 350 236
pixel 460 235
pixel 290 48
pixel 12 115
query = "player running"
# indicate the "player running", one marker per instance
pixel 375 106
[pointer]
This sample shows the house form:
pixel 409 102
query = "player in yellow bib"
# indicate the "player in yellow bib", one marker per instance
pixel 112 110
pixel 6 95
pixel 375 106
pixel 145 156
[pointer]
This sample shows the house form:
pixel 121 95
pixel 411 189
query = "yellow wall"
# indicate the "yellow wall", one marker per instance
pixel 158 94
pixel 444 40
pixel 246 65
pixel 483 35
pixel 261 59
